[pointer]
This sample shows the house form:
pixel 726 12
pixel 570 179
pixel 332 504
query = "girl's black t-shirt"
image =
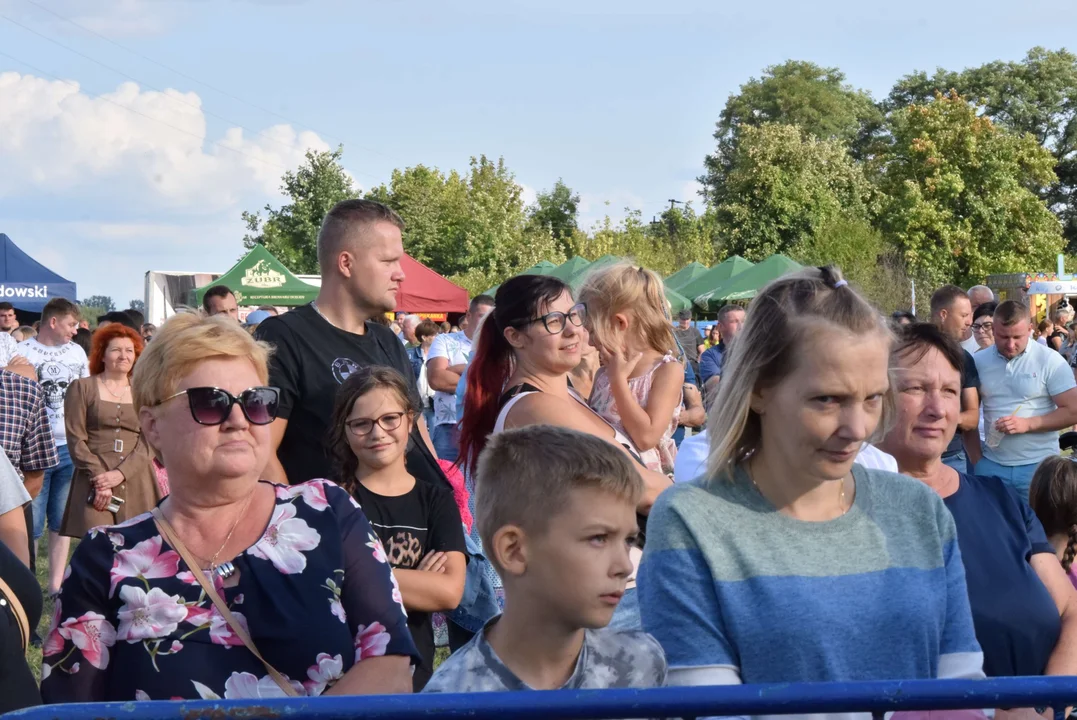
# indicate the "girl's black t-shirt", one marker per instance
pixel 410 527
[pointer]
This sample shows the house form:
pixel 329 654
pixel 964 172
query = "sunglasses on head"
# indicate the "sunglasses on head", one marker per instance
pixel 212 406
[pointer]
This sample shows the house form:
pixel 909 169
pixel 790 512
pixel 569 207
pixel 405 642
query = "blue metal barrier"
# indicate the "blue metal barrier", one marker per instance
pixel 786 698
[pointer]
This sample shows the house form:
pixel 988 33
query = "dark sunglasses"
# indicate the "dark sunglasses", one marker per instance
pixel 364 426
pixel 555 322
pixel 212 406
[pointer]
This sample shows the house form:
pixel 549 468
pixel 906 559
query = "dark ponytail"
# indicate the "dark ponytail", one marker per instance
pixel 1053 497
pixel 1071 549
pixel 518 300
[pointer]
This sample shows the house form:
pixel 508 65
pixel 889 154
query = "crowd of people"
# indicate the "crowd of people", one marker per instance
pixel 569 490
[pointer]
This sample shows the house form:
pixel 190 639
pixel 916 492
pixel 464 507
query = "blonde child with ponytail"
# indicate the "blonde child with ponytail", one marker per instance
pixel 638 389
pixel 1053 497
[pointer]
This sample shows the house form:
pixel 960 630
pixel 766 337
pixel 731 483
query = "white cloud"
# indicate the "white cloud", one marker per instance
pixel 113 18
pixel 528 194
pixel 102 194
pixel 56 138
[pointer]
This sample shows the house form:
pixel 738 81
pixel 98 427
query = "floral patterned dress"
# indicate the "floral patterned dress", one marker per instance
pixel 315 593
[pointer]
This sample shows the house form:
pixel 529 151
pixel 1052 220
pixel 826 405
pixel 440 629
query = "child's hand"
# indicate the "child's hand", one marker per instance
pixel 618 364
pixel 434 562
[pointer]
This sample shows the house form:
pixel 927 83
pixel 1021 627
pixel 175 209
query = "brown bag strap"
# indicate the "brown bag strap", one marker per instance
pixel 17 610
pixel 172 539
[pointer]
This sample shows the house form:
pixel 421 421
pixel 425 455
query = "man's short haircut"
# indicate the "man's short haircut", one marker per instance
pixel 481 300
pixel 1011 312
pixel 980 290
pixel 136 317
pixel 345 221
pixel 221 291
pixel 726 309
pixel 149 327
pixel 5 306
pixel 118 316
pixel 525 476
pixel 917 339
pixel 944 297
pixel 58 308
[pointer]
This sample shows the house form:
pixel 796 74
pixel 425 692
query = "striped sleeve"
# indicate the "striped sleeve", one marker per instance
pixel 679 602
pixel 960 655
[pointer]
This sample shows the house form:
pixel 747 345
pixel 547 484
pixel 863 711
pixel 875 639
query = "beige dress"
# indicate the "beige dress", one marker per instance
pixel 104 436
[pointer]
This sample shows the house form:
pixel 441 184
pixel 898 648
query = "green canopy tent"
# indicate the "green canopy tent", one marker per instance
pixel 714 277
pixel 745 285
pixel 685 275
pixel 261 279
pixel 540 268
pixel 568 269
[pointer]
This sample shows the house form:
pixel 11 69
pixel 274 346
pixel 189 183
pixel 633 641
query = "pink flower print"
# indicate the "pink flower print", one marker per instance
pixel 220 633
pixel 376 546
pixel 93 635
pixel 337 609
pixel 147 615
pixel 312 492
pixel 246 686
pixel 144 560
pixel 187 577
pixel 54 644
pixel 198 616
pixel 117 540
pixel 371 641
pixel 142 695
pixel 328 670
pixel 285 541
pixel 46 670
pixel 397 596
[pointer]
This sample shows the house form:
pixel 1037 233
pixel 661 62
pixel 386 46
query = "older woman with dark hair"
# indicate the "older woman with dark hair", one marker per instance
pixel 1023 606
pixel 233 587
pixel 113 478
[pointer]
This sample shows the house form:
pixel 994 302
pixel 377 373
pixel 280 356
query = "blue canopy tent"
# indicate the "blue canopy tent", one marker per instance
pixel 26 283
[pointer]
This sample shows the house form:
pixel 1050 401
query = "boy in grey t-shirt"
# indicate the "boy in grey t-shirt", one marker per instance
pixel 556 510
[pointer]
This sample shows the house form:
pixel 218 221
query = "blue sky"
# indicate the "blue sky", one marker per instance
pixel 618 98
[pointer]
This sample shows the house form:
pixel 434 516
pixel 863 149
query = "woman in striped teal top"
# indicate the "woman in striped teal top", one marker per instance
pixel 785 561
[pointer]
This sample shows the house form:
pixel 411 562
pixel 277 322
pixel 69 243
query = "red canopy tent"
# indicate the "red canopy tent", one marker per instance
pixel 428 294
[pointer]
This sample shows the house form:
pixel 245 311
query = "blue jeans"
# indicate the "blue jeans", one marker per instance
pixel 446 439
pixel 626 616
pixel 52 500
pixel 1019 477
pixel 958 461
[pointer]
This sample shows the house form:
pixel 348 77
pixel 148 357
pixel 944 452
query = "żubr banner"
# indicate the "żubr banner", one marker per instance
pixel 33 296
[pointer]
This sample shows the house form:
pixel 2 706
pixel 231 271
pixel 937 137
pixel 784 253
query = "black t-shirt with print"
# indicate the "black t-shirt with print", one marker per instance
pixel 312 358
pixel 411 526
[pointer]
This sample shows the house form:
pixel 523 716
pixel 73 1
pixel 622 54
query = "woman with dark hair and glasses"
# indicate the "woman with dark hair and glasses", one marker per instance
pixel 518 376
pixel 233 587
pixel 418 522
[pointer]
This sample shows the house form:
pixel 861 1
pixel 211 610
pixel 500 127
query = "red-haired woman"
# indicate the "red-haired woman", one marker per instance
pixel 114 478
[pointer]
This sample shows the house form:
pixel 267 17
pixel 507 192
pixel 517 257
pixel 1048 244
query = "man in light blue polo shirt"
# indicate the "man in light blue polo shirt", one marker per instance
pixel 1028 393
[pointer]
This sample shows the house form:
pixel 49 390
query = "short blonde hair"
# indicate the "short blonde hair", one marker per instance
pixel 525 475
pixel 782 317
pixel 184 341
pixel 626 288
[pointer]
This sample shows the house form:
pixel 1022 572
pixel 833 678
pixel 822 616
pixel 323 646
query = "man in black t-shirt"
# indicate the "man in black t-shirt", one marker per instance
pixel 689 339
pixel 951 312
pixel 319 345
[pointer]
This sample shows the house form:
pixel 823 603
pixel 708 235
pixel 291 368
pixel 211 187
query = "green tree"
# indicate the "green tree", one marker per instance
pixel 291 232
pixel 557 211
pixel 99 301
pixel 783 188
pixel 961 194
pixel 814 98
pixel 1037 95
pixel 138 304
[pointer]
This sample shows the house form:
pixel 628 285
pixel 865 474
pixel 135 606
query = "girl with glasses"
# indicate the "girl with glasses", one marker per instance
pixel 418 523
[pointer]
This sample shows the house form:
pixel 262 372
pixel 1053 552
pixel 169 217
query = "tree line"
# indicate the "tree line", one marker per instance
pixel 951 177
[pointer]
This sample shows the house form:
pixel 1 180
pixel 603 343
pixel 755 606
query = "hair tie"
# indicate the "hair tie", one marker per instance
pixel 840 283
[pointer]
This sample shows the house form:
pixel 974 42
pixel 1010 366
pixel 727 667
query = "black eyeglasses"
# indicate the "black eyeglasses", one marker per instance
pixel 555 322
pixel 212 406
pixel 982 327
pixel 364 426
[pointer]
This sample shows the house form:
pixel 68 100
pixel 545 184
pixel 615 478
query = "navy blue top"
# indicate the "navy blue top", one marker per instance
pixel 1017 623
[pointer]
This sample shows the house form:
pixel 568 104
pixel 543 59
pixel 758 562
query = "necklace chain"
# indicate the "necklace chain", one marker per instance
pixel 110 392
pixel 841 491
pixel 213 560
